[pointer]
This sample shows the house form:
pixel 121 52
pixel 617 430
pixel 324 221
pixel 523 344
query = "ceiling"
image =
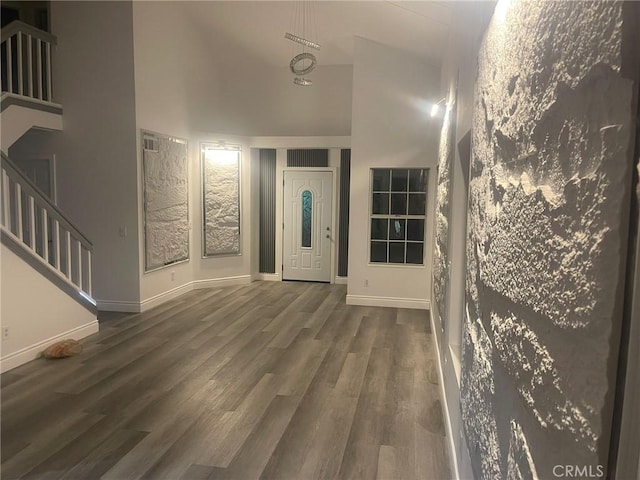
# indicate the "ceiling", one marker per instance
pixel 256 28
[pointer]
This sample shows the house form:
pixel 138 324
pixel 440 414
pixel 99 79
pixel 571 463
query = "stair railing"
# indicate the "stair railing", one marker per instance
pixel 26 61
pixel 39 226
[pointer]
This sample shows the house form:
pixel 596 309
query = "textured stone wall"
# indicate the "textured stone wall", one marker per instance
pixel 446 155
pixel 166 203
pixel 549 175
pixel 222 207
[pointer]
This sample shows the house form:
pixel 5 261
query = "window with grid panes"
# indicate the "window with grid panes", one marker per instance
pixel 398 213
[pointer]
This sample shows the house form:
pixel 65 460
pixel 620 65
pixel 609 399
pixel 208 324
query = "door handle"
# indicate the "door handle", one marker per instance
pixel 328 229
pixel 328 236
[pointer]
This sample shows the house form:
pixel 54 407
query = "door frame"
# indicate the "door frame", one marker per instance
pixel 53 181
pixel 334 215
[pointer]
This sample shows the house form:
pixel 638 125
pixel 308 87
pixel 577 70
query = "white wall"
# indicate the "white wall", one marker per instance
pixel 166 83
pixel 33 325
pixel 35 145
pixel 263 100
pixel 176 84
pixel 164 104
pixel 224 266
pixel 391 127
pixel 199 272
pixel 184 92
pixel 93 79
pixel 17 120
pixel 176 87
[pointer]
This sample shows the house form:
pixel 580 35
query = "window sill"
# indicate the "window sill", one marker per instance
pixel 396 265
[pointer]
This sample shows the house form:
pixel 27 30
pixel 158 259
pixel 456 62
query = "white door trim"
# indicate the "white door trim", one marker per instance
pixel 53 181
pixel 334 214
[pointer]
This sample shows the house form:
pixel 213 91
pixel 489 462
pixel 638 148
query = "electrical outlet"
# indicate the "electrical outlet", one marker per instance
pixel 366 282
pixel 173 276
pixel 5 333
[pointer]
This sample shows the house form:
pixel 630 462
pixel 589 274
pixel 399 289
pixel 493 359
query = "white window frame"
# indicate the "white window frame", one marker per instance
pixel 391 216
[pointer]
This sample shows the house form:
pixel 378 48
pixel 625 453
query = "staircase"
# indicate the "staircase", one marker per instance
pixel 27 99
pixel 32 222
pixel 46 261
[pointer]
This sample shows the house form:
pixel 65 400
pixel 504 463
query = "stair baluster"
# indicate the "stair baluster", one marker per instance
pixel 71 252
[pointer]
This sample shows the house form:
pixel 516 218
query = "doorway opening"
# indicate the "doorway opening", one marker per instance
pixel 308 236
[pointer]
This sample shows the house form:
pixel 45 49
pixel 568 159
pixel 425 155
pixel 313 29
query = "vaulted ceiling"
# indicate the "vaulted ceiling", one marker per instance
pixel 256 29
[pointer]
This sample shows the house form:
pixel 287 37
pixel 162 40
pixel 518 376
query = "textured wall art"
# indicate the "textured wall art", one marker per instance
pixel 166 206
pixel 221 197
pixel 446 156
pixel 549 175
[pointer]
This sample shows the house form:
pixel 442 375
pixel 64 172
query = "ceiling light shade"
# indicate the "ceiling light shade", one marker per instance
pixel 305 82
pixel 301 41
pixel 301 58
pixel 222 157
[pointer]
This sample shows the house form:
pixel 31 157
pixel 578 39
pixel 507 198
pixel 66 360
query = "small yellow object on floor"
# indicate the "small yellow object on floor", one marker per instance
pixel 62 349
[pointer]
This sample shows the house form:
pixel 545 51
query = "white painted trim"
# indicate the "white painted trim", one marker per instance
pixel 628 459
pixel 341 280
pixel 51 160
pixel 151 302
pixel 266 277
pixel 222 282
pixel 118 306
pixel 457 367
pixel 27 354
pixel 395 302
pixel 30 99
pixel 159 299
pixel 17 120
pixel 221 145
pixel 453 458
pixel 300 142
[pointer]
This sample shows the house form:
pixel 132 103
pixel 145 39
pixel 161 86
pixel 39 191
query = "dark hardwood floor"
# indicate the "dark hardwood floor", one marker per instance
pixel 269 380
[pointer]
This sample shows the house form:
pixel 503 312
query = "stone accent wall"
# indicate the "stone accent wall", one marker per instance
pixel 166 204
pixel 222 208
pixel 446 155
pixel 548 186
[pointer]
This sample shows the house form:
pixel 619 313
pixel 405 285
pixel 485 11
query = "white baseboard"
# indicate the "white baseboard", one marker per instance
pixel 267 277
pixel 341 280
pixel 221 282
pixel 151 302
pixel 117 306
pixel 395 302
pixel 32 352
pixel 453 457
pixel 159 299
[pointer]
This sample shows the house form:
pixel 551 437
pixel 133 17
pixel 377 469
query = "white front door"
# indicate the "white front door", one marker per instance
pixel 307 225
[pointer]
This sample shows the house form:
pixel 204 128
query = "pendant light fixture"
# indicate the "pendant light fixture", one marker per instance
pixel 302 34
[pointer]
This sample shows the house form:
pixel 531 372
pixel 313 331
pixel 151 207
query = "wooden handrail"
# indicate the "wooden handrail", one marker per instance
pixel 20 27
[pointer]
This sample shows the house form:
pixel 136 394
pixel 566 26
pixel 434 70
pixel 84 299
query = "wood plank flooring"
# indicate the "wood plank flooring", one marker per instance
pixel 269 380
